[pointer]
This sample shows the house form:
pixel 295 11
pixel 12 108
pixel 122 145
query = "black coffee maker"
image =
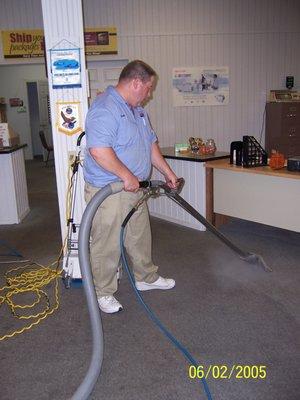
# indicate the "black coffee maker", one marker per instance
pixel 236 153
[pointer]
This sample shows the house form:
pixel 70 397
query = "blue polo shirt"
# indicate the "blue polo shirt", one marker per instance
pixel 110 122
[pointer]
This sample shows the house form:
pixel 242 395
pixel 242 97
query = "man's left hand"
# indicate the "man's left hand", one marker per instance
pixel 172 181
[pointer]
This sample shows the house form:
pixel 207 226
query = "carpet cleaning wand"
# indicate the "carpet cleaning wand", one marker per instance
pixel 244 255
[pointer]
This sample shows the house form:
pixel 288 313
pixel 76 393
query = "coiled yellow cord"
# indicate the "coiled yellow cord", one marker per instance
pixel 31 279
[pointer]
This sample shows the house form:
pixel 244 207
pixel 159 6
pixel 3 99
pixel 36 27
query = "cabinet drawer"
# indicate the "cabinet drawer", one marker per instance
pixel 291 131
pixel 290 113
pixel 290 148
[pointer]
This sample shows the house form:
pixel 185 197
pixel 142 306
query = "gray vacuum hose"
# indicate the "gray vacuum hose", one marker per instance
pixel 90 379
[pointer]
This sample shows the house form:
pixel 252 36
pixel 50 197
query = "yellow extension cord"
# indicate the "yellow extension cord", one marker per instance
pixel 32 278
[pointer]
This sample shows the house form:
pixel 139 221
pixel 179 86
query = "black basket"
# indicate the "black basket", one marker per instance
pixel 253 154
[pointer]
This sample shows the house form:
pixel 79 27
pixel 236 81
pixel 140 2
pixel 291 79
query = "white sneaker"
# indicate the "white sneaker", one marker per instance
pixel 109 304
pixel 160 283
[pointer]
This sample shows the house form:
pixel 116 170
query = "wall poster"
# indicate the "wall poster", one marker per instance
pixel 65 68
pixel 198 86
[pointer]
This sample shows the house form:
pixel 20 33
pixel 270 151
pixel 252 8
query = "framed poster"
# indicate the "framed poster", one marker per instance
pixel 198 86
pixel 65 68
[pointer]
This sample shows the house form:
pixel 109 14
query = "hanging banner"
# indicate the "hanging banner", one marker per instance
pixel 100 40
pixel 65 68
pixel 26 43
pixel 68 118
pixel 198 86
pixel 23 43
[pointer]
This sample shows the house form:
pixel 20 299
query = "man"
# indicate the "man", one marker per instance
pixel 121 146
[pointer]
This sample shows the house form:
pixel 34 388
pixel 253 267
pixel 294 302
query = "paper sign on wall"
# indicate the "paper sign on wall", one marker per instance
pixel 65 68
pixel 197 86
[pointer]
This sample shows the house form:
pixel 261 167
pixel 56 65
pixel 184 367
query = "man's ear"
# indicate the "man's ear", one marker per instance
pixel 135 83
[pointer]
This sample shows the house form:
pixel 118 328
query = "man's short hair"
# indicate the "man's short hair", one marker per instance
pixel 137 69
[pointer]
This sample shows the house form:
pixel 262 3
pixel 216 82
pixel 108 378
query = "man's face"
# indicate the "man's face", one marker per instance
pixel 142 90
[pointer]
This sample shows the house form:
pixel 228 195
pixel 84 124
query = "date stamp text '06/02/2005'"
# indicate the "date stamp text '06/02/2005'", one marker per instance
pixel 236 371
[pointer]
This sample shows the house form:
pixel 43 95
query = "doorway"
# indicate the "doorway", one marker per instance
pixel 102 74
pixel 34 119
pixel 39 119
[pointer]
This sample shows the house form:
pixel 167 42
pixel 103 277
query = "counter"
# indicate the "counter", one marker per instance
pixel 259 194
pixel 191 167
pixel 169 153
pixel 13 193
pixel 266 170
pixel 9 150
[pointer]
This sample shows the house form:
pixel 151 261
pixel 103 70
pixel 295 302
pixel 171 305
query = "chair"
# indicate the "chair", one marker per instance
pixel 46 146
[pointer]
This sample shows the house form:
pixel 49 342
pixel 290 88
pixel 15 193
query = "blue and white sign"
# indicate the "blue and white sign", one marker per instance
pixel 65 68
pixel 200 86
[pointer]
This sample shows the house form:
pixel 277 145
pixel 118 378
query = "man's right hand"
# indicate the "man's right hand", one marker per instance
pixel 131 184
pixel 107 159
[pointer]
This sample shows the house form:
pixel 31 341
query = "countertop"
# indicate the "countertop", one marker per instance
pixel 169 152
pixel 266 170
pixel 7 150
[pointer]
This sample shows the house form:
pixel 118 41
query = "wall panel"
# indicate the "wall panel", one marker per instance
pixel 257 39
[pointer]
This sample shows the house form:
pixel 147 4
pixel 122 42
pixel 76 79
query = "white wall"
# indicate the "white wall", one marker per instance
pixel 257 39
pixel 13 80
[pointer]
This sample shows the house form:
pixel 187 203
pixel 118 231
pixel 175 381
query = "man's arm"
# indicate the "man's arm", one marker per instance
pixel 107 159
pixel 160 163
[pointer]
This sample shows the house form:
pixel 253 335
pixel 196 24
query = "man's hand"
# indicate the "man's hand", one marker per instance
pixel 107 159
pixel 131 184
pixel 160 163
pixel 172 180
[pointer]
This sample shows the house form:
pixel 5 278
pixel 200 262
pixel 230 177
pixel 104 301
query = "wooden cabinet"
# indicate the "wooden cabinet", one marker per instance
pixel 283 128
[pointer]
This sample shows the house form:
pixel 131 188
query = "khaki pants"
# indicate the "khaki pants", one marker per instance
pixel 105 240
